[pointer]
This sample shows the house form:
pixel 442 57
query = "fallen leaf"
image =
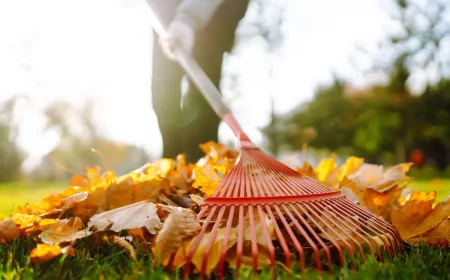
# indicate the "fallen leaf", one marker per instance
pixel 8 230
pixel 306 170
pixel 326 168
pixel 418 215
pixel 140 214
pixel 178 226
pixel 70 201
pixel 206 180
pixel 63 231
pixel 349 167
pixel 44 252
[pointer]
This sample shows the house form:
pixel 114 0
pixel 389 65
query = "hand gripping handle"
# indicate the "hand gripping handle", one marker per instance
pixel 202 81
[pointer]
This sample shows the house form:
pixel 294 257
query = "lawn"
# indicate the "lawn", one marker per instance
pixel 111 262
pixel 19 193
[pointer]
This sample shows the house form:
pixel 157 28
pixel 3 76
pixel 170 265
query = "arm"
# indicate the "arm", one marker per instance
pixel 197 13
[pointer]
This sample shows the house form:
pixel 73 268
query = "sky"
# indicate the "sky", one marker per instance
pixel 101 49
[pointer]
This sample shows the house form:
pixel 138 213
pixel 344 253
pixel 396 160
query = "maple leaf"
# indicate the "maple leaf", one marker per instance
pixel 8 230
pixel 206 180
pixel 418 215
pixel 136 215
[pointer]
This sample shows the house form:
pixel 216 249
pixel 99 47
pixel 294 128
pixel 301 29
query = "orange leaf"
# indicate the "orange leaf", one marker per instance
pixel 78 181
pixel 306 170
pixel 62 231
pixel 418 216
pixel 44 252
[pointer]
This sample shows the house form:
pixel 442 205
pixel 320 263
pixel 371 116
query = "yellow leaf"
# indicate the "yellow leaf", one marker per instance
pixel 206 180
pixel 325 168
pixel 24 220
pixel 350 166
pixel 44 252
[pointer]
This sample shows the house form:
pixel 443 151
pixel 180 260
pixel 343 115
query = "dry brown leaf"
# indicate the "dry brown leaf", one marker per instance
pixel 178 226
pixel 8 230
pixel 372 176
pixel 140 214
pixel 63 231
pixel 70 201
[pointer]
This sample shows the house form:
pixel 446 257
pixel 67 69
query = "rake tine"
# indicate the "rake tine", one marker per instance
pixel 281 239
pixel 211 240
pixel 225 242
pixel 293 238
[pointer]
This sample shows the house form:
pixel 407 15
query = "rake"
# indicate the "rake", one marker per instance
pixel 309 222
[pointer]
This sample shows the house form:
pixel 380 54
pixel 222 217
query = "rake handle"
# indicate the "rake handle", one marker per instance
pixel 204 84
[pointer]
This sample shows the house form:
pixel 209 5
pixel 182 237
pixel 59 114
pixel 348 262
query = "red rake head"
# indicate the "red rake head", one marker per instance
pixel 264 211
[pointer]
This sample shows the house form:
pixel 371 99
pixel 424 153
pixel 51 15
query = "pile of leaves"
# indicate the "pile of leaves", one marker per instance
pixel 153 209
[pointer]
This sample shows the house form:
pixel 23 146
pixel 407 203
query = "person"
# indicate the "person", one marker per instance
pixel 206 29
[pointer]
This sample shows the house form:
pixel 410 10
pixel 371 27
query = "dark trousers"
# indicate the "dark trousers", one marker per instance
pixel 184 124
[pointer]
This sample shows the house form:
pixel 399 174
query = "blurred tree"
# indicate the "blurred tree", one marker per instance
pixel 10 156
pixel 78 134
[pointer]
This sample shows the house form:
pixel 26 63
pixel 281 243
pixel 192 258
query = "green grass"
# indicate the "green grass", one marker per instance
pixel 14 194
pixel 110 262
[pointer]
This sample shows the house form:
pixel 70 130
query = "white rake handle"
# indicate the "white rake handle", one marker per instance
pixel 204 84
pixel 195 72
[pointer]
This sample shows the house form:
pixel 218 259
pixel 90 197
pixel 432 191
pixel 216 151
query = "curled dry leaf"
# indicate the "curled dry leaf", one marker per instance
pixel 140 214
pixel 8 230
pixel 372 176
pixel 179 225
pixel 63 231
pixel 124 244
pixel 70 201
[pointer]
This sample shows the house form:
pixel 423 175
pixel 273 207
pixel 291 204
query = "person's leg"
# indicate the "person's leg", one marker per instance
pixel 166 98
pixel 203 123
